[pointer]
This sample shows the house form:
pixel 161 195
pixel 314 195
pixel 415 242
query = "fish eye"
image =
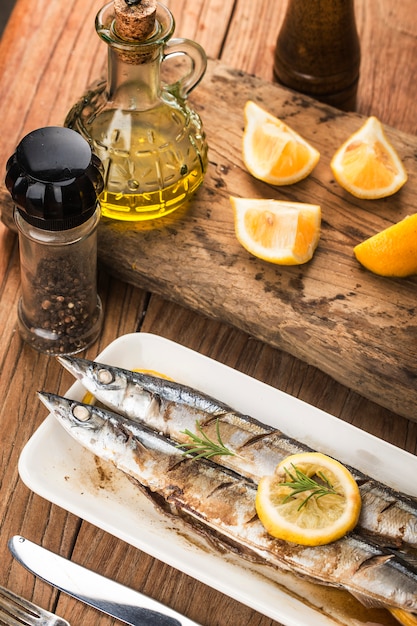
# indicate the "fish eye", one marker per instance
pixel 104 376
pixel 81 413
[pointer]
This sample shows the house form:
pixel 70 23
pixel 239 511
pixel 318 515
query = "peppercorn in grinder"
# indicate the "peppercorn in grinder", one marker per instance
pixel 54 180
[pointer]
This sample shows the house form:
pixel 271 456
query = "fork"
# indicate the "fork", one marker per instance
pixel 16 611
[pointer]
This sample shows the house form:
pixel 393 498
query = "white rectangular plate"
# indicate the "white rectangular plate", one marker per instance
pixel 56 467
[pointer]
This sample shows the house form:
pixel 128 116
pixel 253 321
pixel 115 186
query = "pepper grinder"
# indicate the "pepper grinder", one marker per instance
pixel 54 180
pixel 318 51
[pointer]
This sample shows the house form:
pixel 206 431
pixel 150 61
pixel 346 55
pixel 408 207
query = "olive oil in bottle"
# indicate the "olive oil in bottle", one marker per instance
pixel 151 143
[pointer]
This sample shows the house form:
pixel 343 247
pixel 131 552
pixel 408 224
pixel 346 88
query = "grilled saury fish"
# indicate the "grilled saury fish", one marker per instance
pixel 171 408
pixel 223 502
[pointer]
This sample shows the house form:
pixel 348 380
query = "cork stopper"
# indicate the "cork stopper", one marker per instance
pixel 135 19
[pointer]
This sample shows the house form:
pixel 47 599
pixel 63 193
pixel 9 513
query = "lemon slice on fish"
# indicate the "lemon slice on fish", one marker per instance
pixel 311 500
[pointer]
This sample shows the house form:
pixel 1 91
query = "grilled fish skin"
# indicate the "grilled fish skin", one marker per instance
pixel 388 516
pixel 224 502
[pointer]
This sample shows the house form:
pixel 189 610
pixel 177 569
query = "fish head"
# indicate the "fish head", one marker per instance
pixel 134 394
pixel 72 413
pixel 133 448
pixel 99 376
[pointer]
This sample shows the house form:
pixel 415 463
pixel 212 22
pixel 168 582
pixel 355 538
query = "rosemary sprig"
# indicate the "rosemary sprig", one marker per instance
pixel 204 447
pixel 300 483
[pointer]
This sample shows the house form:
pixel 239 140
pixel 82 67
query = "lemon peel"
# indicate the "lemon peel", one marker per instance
pixel 392 251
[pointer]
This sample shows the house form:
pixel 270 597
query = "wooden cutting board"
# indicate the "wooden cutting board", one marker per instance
pixel 359 328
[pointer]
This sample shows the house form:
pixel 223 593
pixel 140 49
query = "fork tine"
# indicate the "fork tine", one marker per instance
pixel 18 619
pixel 17 611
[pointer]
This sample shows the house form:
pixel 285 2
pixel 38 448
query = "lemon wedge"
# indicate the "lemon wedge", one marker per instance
pixel 391 252
pixel 285 233
pixel 272 151
pixel 367 165
pixel 324 511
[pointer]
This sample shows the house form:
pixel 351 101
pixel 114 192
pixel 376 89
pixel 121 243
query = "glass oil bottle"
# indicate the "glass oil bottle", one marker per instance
pixel 150 141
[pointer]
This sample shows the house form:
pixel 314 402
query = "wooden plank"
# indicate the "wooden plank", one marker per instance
pixel 388 35
pixel 250 40
pixel 353 325
pixel 204 22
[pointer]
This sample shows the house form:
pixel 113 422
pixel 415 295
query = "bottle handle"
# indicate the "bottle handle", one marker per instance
pixel 185 47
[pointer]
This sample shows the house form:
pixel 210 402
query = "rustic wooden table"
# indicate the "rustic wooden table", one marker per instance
pixel 48 53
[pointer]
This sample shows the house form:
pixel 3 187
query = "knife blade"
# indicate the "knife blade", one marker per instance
pixel 104 594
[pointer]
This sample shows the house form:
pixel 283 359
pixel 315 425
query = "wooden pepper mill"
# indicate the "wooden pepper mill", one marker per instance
pixel 318 51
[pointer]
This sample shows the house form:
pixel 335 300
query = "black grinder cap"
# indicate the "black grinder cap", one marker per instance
pixel 54 178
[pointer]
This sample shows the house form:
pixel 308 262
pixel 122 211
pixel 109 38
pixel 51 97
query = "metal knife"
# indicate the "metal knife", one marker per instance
pixel 104 594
